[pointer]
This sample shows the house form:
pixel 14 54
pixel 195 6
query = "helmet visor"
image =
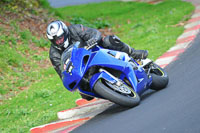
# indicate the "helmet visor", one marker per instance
pixel 59 40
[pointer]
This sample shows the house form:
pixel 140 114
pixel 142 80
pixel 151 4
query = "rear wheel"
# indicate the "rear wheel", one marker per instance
pixel 160 78
pixel 119 94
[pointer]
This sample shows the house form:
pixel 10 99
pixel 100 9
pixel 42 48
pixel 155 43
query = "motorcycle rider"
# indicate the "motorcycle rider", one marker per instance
pixel 62 36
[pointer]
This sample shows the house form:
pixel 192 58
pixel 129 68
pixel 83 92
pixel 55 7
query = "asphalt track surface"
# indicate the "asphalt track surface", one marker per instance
pixel 172 110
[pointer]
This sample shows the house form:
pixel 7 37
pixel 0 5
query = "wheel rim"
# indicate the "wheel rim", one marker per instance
pixel 156 70
pixel 122 89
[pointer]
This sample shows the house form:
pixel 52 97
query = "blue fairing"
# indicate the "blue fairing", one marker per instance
pixel 81 60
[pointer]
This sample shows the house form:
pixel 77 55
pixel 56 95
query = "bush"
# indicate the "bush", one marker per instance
pixel 19 6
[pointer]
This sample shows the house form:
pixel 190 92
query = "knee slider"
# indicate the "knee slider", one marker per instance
pixel 112 41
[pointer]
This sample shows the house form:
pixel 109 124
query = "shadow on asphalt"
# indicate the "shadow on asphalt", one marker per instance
pixel 117 108
pixel 147 94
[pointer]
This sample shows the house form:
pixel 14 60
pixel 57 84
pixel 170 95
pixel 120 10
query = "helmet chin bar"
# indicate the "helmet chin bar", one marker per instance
pixel 49 37
pixel 59 40
pixel 66 43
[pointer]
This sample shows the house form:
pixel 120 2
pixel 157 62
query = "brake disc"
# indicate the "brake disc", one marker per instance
pixel 122 88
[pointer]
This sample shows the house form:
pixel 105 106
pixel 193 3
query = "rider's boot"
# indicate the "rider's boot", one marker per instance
pixel 138 54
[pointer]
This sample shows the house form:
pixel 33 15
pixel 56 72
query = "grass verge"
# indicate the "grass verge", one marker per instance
pixel 141 25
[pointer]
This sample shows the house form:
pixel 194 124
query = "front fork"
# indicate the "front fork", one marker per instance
pixel 147 64
pixel 118 81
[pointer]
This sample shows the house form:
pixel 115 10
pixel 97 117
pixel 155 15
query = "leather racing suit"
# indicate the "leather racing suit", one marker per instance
pixel 81 33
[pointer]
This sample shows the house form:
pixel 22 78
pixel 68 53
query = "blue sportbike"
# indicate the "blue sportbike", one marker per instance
pixel 110 74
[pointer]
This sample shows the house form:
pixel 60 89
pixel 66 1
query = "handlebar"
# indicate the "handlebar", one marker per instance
pixel 89 47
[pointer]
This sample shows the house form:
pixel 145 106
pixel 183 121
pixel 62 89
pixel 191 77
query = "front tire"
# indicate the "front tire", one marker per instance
pixel 106 91
pixel 160 78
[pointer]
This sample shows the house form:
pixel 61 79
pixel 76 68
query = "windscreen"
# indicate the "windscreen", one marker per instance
pixel 66 58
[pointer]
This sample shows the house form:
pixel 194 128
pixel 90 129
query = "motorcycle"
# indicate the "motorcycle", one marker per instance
pixel 110 74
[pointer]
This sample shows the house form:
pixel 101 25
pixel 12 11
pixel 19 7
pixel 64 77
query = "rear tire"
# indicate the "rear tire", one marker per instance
pixel 160 78
pixel 110 94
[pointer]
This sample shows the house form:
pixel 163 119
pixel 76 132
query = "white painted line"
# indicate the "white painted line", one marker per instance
pixel 85 110
pixel 198 7
pixel 196 15
pixel 189 33
pixel 179 46
pixel 190 25
pixel 166 60
pixel 42 129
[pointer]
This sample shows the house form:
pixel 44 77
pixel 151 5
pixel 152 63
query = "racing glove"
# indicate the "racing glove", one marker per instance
pixel 91 42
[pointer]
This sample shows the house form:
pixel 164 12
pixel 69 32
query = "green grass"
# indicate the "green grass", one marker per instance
pixel 43 94
pixel 37 105
pixel 141 25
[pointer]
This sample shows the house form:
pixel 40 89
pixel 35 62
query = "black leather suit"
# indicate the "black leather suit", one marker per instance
pixel 82 34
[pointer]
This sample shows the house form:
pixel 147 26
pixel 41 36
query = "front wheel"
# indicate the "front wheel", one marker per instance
pixel 160 78
pixel 122 95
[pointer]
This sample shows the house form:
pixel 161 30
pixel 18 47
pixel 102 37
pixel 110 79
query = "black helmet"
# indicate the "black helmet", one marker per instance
pixel 57 32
